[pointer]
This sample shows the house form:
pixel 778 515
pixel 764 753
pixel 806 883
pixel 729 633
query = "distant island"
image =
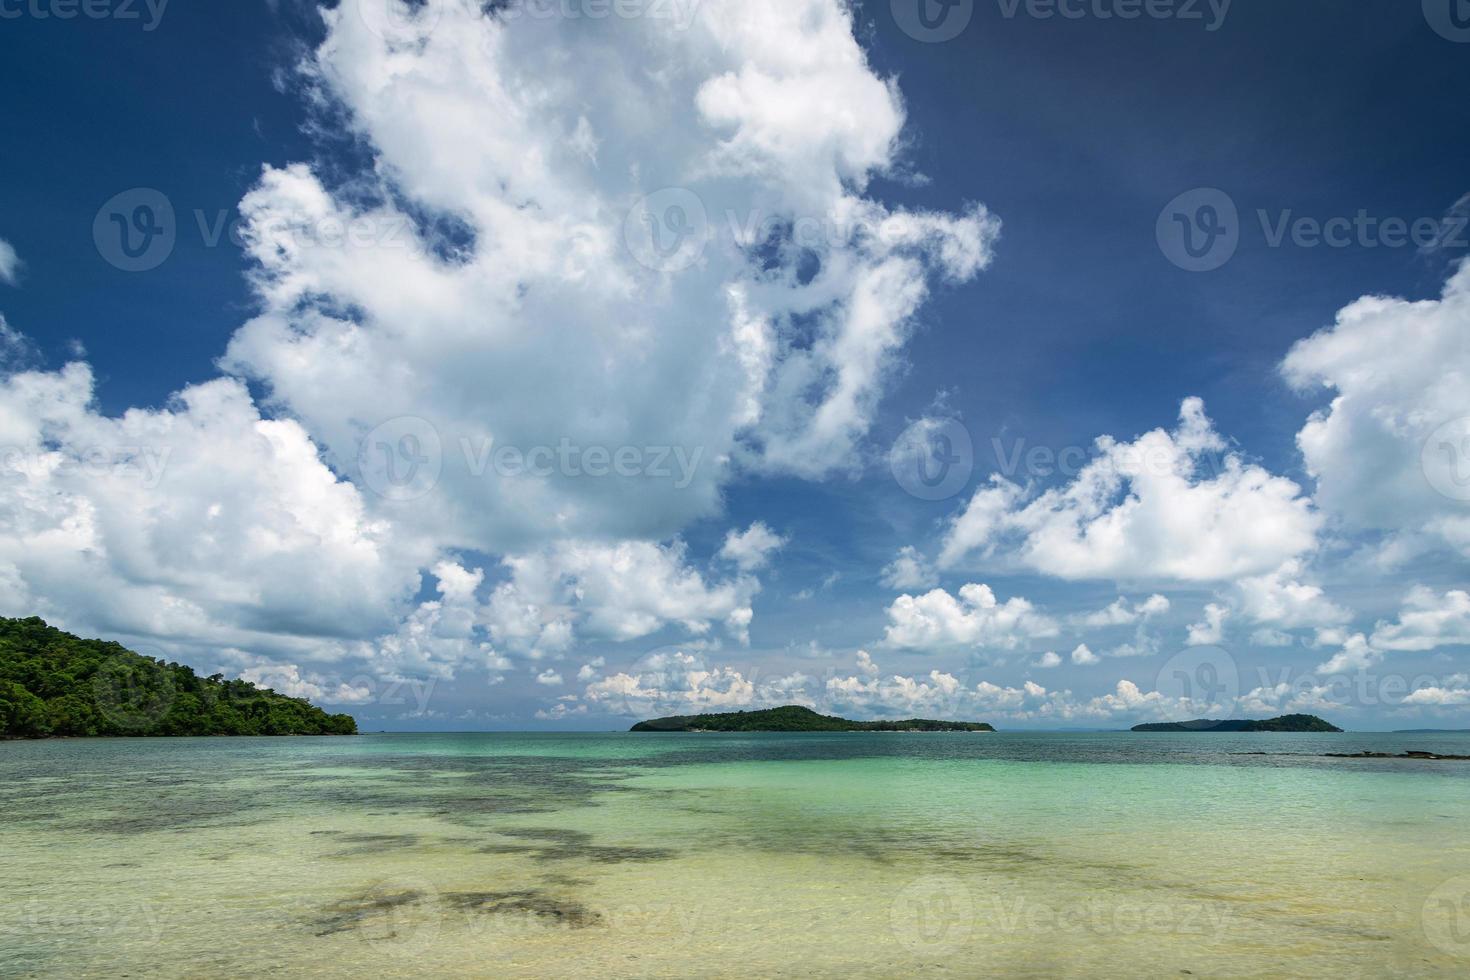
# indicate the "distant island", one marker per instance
pixel 794 718
pixel 1286 723
pixel 56 685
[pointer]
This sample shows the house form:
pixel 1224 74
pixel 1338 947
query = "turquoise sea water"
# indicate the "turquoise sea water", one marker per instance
pixel 735 855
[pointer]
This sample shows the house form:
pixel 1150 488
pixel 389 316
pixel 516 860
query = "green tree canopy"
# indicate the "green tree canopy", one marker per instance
pixel 54 684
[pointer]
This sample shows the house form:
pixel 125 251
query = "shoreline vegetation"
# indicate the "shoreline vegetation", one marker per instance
pixel 793 718
pixel 56 685
pixel 1286 723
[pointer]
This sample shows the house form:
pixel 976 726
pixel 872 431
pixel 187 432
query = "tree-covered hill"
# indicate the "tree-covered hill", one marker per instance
pixel 794 718
pixel 1286 723
pixel 53 685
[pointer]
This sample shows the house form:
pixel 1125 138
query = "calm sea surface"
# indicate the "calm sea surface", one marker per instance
pixel 726 855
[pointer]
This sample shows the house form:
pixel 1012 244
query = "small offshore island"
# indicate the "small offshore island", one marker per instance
pixel 56 685
pixel 1286 723
pixel 794 718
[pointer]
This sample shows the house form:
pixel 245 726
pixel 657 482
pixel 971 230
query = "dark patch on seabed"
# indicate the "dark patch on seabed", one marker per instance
pixel 512 785
pixel 374 908
pixel 350 913
pixel 173 815
pixel 374 843
pixel 464 791
pixel 531 904
pixel 572 845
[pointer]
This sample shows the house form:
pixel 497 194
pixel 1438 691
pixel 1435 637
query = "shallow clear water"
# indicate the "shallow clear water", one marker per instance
pixel 754 855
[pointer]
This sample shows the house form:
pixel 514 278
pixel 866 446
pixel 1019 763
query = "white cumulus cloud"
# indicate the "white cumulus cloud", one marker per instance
pixel 752 548
pixel 1390 451
pixel 973 618
pixel 1170 505
pixel 9 263
pixel 909 571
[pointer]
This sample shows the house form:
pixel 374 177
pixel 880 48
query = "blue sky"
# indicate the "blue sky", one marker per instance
pixel 970 236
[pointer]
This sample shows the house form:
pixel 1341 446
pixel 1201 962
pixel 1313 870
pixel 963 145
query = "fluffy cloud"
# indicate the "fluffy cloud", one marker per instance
pixel 1356 654
pixel 974 618
pixel 201 521
pixel 1048 661
pixel 17 352
pixel 438 638
pixel 679 683
pixel 751 549
pixel 534 315
pixel 1170 505
pixel 488 308
pixel 1427 622
pixel 619 592
pixel 909 571
pixel 1280 599
pixel 1211 630
pixel 9 263
pixel 1438 697
pixel 1084 657
pixel 942 695
pixel 1390 452
pixel 1293 698
pixel 1140 615
pixel 1124 613
pixel 289 680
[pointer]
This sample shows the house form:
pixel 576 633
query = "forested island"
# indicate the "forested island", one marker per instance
pixel 1286 723
pixel 794 718
pixel 56 685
